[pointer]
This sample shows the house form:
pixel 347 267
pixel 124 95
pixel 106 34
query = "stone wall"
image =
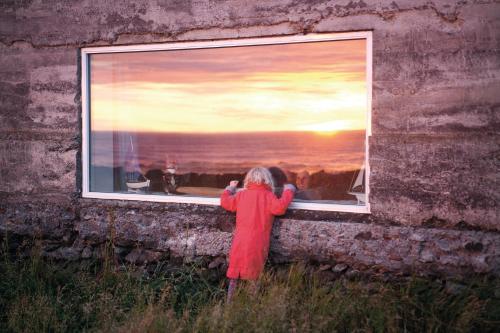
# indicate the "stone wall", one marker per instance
pixel 434 152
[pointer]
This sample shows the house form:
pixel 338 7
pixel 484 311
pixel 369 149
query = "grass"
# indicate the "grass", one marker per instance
pixel 38 295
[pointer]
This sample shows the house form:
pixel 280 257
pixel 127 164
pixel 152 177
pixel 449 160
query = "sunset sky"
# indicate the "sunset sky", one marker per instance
pixel 316 87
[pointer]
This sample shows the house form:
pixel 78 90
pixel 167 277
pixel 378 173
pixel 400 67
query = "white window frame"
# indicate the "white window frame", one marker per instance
pixel 85 84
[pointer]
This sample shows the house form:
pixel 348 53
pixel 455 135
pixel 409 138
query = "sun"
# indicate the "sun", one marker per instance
pixel 327 128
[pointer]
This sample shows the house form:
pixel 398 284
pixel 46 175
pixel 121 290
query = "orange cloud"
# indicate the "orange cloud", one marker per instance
pixel 251 88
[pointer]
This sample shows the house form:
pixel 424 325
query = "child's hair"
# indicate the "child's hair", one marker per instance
pixel 259 175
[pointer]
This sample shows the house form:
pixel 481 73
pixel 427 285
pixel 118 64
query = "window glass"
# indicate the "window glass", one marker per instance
pixel 186 122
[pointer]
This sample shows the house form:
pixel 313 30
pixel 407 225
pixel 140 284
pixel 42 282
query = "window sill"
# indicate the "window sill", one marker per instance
pixel 345 208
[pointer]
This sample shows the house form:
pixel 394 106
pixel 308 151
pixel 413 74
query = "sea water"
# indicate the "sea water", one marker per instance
pixel 230 152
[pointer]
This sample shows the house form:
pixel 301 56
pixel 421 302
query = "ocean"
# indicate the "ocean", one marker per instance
pixel 231 152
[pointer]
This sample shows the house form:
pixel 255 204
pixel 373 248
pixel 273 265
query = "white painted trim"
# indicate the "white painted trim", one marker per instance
pixel 216 201
pixel 86 52
pixel 85 84
pixel 368 134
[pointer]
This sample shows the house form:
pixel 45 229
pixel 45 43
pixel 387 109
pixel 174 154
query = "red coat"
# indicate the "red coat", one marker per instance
pixel 255 209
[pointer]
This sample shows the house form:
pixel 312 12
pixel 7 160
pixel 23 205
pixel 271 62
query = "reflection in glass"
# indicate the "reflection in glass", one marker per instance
pixel 186 122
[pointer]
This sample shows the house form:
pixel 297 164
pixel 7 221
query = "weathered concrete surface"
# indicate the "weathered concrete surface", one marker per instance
pixel 147 232
pixel 447 180
pixel 434 154
pixel 388 249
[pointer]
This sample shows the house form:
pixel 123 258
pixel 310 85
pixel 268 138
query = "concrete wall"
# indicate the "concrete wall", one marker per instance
pixel 434 153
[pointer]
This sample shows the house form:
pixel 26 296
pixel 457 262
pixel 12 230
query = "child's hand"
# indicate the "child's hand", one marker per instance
pixel 289 187
pixel 232 186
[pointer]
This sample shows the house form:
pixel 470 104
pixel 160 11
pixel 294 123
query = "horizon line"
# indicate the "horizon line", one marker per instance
pixel 235 132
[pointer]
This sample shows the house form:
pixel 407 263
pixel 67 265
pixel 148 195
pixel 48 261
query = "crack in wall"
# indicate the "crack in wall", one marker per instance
pixel 302 25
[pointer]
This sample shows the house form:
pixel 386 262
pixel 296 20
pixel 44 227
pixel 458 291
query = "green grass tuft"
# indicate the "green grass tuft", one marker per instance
pixel 38 295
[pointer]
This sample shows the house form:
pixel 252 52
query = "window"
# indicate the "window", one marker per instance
pixel 176 122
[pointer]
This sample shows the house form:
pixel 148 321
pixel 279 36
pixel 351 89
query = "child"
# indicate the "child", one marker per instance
pixel 255 209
